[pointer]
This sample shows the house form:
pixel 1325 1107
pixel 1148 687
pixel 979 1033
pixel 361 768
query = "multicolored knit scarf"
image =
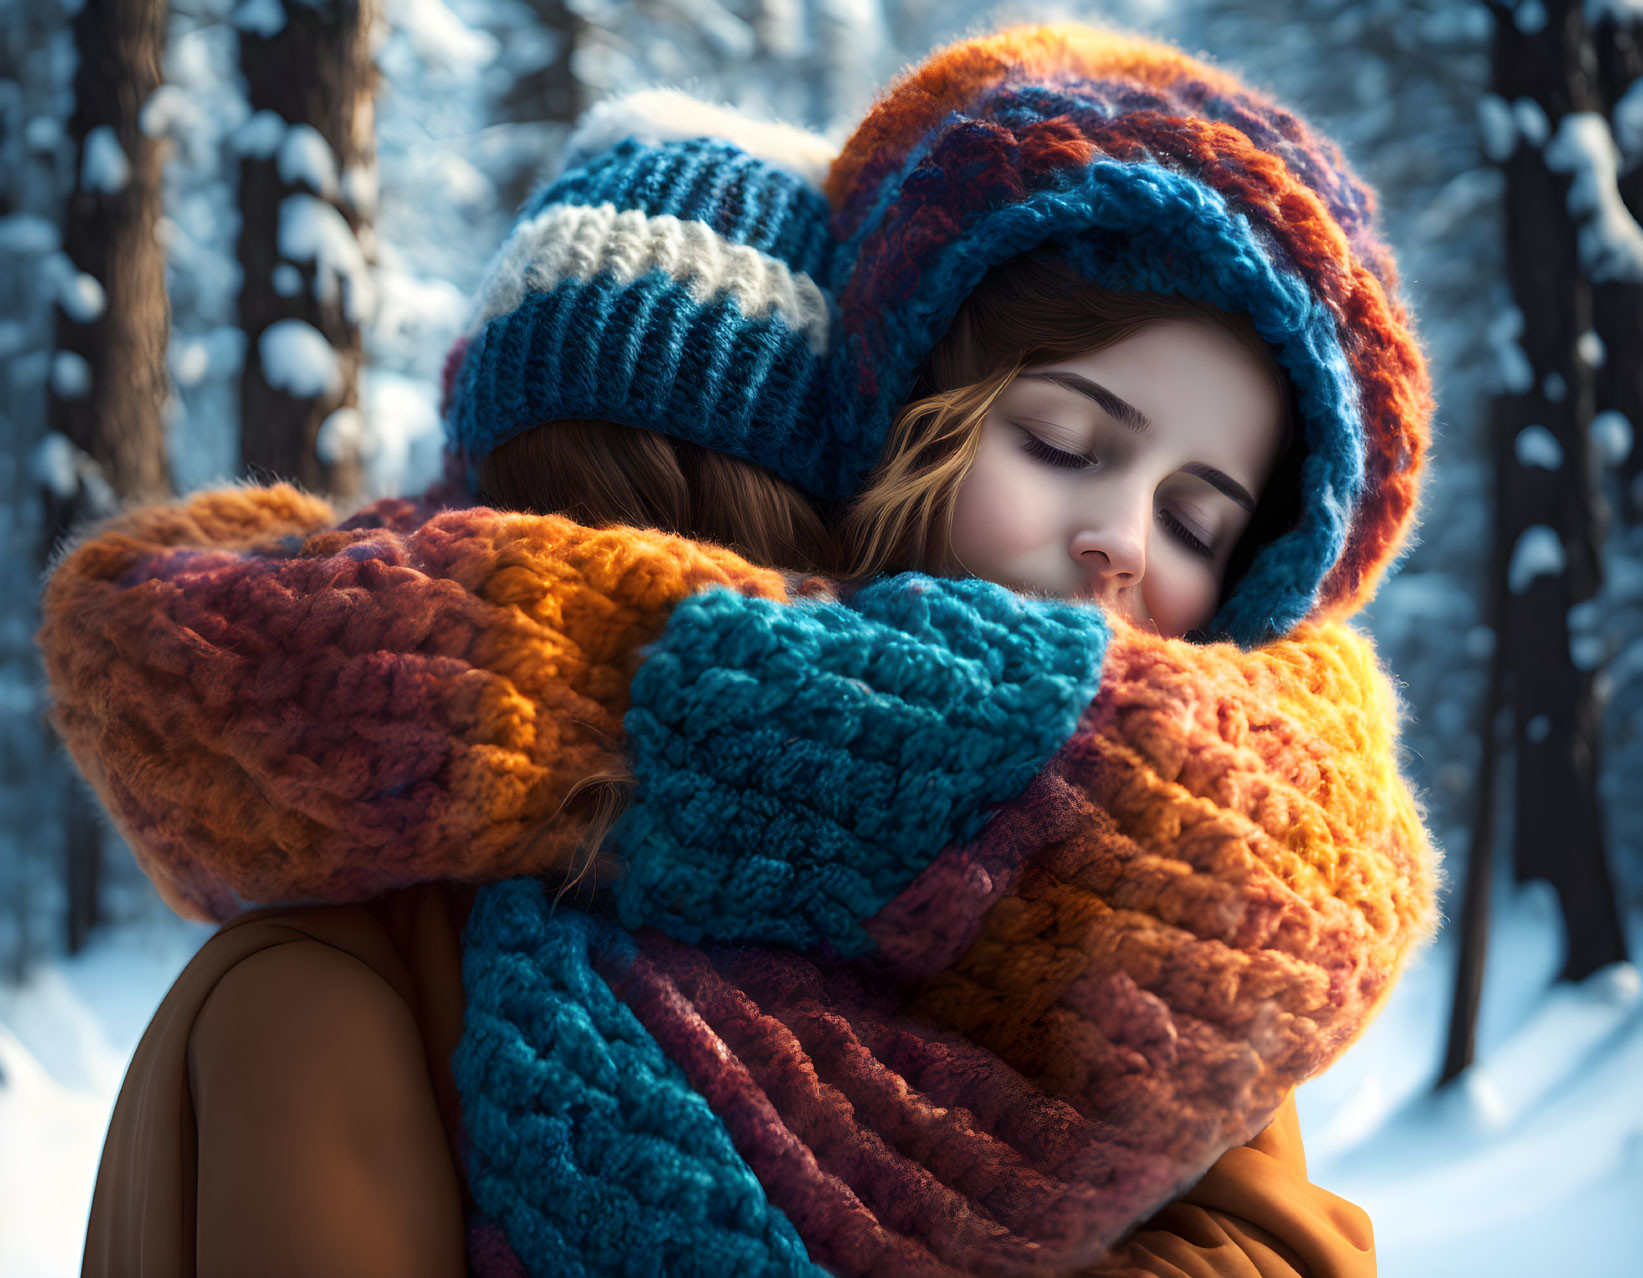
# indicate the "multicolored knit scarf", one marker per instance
pixel 1058 1027
pixel 990 962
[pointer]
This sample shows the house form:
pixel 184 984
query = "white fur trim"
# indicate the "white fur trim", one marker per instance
pixel 667 115
pixel 578 241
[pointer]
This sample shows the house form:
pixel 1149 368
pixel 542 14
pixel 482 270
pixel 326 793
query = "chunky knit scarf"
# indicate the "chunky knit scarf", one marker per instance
pixel 274 708
pixel 1058 1026
pixel 956 931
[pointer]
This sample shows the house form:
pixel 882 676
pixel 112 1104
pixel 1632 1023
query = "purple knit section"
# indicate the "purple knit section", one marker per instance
pixel 894 1147
pixel 1312 158
pixel 489 1255
pixel 1092 106
pixel 898 1158
pixel 940 913
pixel 839 1229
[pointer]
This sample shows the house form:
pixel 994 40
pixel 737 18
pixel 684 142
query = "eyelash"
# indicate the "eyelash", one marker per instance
pixel 1183 535
pixel 1059 457
pixel 1051 455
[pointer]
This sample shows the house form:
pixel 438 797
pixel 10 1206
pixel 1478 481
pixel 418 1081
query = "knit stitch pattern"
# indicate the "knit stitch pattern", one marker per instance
pixel 1199 904
pixel 276 709
pixel 798 764
pixel 1145 169
pixel 674 285
pixel 587 1144
pixel 738 196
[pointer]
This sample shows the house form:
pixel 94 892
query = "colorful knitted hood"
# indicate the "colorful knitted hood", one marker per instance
pixel 1143 169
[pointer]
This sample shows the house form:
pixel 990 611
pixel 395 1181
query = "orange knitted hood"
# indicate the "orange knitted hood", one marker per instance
pixel 1142 169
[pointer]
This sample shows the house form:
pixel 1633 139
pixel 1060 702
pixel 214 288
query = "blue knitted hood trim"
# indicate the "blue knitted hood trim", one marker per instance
pixel 1142 227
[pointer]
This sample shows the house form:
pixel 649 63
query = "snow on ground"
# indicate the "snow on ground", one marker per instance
pixel 65 1038
pixel 1534 1166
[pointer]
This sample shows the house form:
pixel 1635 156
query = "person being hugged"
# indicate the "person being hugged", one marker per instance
pixel 975 919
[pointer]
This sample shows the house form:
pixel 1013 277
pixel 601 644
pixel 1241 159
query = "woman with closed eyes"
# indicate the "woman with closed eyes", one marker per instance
pixel 1071 441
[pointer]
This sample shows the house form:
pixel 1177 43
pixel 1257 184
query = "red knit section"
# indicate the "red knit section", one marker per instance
pixel 954 78
pixel 276 709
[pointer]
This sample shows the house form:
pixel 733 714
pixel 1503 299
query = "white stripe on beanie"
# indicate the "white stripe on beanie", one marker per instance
pixel 579 242
pixel 655 116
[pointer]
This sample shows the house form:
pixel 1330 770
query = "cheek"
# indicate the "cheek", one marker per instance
pixel 999 513
pixel 1180 596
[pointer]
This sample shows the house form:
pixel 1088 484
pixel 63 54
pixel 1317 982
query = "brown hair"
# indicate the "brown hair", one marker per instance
pixel 1029 311
pixel 600 474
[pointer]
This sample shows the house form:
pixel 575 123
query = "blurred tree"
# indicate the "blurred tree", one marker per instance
pixel 1617 302
pixel 307 195
pixel 553 92
pixel 106 394
pixel 108 382
pixel 1546 124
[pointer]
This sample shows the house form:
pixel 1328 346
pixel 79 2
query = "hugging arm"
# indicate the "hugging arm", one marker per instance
pixel 799 764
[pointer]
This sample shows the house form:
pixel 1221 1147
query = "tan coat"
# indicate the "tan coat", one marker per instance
pixel 290 1110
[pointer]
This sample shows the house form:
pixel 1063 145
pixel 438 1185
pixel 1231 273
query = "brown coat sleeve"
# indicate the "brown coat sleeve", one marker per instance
pixel 1253 1215
pixel 320 1145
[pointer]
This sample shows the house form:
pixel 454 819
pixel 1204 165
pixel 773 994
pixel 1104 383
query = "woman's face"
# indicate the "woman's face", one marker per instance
pixel 1126 474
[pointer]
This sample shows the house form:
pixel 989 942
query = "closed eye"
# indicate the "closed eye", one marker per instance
pixel 1035 447
pixel 1185 535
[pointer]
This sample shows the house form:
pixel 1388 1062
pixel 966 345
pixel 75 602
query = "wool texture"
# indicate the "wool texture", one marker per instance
pixel 1198 904
pixel 670 279
pixel 276 709
pixel 798 766
pixel 1143 169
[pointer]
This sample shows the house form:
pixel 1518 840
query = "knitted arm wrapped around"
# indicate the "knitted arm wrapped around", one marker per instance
pixel 1200 902
pixel 274 708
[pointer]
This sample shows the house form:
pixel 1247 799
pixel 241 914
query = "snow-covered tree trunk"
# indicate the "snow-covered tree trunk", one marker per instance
pixel 1478 888
pixel 36 67
pixel 1617 299
pixel 1549 523
pixel 106 395
pixel 307 195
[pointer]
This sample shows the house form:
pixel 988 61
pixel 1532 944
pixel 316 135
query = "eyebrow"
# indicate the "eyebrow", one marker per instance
pixel 1120 409
pixel 1132 418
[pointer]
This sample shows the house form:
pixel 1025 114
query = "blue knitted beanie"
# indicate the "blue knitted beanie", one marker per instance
pixel 666 279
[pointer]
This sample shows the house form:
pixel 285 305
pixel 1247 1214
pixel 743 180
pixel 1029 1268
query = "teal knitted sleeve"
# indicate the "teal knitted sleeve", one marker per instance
pixel 798 764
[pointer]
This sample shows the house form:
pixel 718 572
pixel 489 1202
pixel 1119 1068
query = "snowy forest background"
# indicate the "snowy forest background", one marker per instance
pixel 1507 142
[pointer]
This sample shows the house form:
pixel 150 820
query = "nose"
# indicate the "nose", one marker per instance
pixel 1112 553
